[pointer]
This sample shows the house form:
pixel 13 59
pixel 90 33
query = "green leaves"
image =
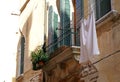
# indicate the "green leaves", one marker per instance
pixel 39 55
pixel 38 58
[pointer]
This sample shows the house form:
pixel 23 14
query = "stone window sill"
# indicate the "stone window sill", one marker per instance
pixel 113 15
pixel 20 77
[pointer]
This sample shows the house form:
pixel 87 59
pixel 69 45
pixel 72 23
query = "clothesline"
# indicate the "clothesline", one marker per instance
pixel 91 6
pixel 105 57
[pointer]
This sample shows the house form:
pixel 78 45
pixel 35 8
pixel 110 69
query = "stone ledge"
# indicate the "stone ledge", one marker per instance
pixel 112 16
pixel 64 55
pixel 19 78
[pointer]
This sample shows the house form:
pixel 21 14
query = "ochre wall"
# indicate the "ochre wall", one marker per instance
pixel 116 5
pixel 109 42
pixel 63 67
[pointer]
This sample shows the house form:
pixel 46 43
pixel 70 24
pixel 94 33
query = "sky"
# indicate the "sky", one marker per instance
pixel 8 41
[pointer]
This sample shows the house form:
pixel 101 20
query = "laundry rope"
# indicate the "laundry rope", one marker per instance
pixel 105 57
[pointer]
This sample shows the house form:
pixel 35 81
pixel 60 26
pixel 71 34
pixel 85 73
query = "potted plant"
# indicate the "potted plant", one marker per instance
pixel 38 58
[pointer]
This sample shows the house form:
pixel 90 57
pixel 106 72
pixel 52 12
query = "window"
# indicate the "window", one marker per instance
pixel 79 15
pixel 52 26
pixel 79 9
pixel 102 7
pixel 55 31
pixel 22 55
pixel 65 22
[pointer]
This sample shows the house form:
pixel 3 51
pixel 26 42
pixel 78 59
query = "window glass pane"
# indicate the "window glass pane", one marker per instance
pixel 97 9
pixel 105 7
pixel 102 7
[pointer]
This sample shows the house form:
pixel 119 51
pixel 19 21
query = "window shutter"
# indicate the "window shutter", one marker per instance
pixel 79 15
pixel 65 22
pixel 22 55
pixel 55 31
pixel 50 28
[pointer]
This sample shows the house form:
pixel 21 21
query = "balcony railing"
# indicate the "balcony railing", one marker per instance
pixel 63 36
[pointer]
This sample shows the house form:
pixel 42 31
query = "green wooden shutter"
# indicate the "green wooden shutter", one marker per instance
pixel 52 32
pixel 50 29
pixel 55 31
pixel 65 22
pixel 22 55
pixel 62 6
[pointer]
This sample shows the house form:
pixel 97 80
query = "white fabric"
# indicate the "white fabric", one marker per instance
pixel 88 38
pixel 83 35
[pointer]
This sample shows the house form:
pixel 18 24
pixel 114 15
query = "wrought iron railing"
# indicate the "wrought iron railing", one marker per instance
pixel 58 40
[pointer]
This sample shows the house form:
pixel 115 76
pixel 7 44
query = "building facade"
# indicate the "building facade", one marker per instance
pixel 57 23
pixel 31 34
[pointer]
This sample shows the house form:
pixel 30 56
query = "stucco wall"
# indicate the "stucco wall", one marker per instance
pixel 109 42
pixel 31 25
pixel 115 5
pixel 63 67
pixel 108 39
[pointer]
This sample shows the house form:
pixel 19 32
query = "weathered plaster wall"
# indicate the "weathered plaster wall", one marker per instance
pixel 32 28
pixel 109 42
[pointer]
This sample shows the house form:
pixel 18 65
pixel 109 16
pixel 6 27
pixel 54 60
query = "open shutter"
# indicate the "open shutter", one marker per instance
pixel 67 35
pixel 55 31
pixel 22 55
pixel 50 28
pixel 79 15
pixel 65 22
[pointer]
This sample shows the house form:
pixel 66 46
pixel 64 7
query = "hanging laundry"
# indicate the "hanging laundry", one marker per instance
pixel 83 35
pixel 88 38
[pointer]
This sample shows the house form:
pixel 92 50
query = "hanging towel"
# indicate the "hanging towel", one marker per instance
pixel 88 38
